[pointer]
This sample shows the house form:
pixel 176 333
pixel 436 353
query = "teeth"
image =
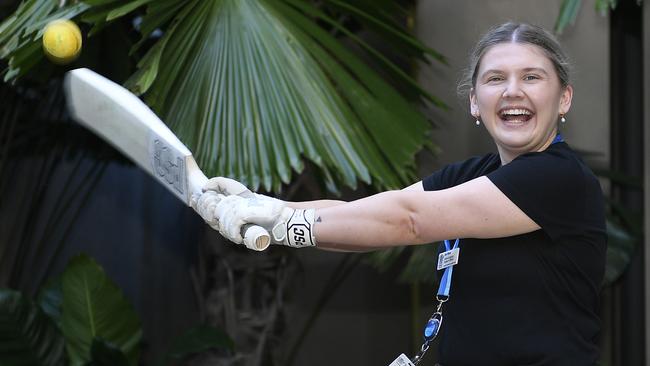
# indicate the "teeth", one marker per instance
pixel 516 112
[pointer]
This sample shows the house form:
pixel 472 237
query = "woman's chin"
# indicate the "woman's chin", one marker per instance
pixel 513 141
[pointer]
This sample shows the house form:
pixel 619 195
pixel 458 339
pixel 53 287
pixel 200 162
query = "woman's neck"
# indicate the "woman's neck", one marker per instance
pixel 507 156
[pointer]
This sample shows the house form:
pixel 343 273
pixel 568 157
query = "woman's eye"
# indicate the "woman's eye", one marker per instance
pixel 494 78
pixel 531 77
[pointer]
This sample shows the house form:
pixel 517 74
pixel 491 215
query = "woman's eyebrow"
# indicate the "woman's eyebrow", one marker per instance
pixel 535 69
pixel 491 71
pixel 527 69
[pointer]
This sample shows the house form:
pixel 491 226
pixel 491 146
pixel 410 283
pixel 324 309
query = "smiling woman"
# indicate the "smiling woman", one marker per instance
pixel 519 96
pixel 530 218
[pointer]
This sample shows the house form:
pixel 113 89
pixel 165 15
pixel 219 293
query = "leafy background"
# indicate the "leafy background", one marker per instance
pixel 253 87
pixel 302 88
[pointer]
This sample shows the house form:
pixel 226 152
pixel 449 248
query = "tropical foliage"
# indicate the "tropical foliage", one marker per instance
pixel 255 86
pixel 570 8
pixel 82 318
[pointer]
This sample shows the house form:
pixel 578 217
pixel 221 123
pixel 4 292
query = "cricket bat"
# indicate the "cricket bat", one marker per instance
pixel 123 120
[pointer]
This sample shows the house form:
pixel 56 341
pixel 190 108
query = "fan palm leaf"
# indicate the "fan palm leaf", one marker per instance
pixel 253 86
pixel 568 14
pixel 256 86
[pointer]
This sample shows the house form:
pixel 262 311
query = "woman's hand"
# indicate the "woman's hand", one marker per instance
pixel 288 226
pixel 205 205
pixel 231 187
pixel 227 187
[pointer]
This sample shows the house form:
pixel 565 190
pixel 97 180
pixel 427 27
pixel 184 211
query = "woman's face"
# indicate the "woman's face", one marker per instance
pixel 519 98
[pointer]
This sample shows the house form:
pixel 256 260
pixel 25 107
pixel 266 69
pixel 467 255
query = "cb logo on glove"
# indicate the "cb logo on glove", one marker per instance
pixel 299 229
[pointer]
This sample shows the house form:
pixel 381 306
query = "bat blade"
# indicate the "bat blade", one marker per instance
pixel 124 121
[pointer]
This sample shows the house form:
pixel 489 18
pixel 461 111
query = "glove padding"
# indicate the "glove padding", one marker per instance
pixel 287 226
pixel 205 205
pixel 227 187
pixel 230 187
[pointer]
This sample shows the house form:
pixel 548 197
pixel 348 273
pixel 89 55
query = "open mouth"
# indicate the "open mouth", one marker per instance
pixel 515 115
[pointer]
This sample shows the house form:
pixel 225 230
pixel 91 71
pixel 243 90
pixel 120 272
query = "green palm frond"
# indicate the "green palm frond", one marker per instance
pixel 20 33
pixel 256 86
pixel 568 14
pixel 380 15
pixel 603 6
pixel 570 8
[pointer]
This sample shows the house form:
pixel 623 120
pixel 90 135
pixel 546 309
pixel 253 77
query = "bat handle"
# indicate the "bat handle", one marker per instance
pixel 256 237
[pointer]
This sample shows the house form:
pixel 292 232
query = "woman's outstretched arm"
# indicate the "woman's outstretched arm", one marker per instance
pixel 476 209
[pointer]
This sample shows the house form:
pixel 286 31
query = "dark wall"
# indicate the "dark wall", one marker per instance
pixel 626 62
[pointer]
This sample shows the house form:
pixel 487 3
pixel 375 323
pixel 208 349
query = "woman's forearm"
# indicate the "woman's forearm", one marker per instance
pixel 379 221
pixel 314 204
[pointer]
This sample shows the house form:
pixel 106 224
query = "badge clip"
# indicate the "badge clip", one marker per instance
pixel 448 258
pixel 402 360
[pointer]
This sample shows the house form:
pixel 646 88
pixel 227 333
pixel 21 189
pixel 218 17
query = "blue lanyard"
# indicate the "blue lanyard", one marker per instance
pixel 445 281
pixel 558 138
pixel 435 322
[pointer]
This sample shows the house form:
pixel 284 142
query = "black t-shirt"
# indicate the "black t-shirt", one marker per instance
pixel 529 299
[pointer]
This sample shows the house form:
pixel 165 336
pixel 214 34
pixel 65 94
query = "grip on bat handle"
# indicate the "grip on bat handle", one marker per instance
pixel 256 237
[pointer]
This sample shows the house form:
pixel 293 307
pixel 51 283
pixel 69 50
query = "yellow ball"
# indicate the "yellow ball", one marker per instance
pixel 62 41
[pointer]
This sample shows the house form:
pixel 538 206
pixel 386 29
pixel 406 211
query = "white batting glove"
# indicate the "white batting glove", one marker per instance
pixel 227 187
pixel 294 228
pixel 205 205
pixel 230 187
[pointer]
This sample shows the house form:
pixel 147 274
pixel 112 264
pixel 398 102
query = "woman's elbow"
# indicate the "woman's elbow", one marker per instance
pixel 414 230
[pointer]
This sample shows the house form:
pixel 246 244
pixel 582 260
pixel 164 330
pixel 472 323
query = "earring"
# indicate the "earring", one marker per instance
pixel 478 122
pixel 562 119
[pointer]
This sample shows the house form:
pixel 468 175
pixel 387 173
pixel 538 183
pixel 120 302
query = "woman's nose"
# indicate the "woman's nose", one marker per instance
pixel 512 89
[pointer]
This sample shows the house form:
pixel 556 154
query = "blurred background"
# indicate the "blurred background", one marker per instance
pixel 302 100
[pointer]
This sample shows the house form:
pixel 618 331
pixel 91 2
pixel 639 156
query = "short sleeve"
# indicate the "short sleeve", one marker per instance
pixel 457 173
pixel 438 180
pixel 553 188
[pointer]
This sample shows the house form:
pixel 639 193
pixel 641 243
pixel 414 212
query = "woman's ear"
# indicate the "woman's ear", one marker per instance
pixel 565 100
pixel 473 103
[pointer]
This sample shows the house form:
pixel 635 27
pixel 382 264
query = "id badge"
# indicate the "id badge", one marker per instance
pixel 402 360
pixel 448 258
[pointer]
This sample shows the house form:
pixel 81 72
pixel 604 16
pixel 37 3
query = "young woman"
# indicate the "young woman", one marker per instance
pixel 530 219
